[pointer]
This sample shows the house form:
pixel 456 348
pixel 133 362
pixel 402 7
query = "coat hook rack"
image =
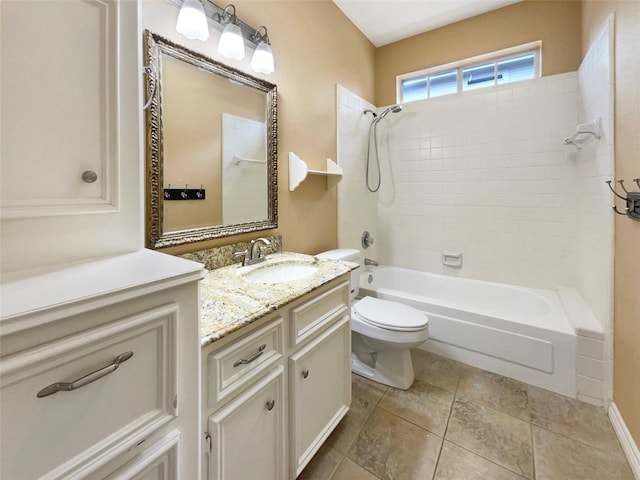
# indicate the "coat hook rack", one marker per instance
pixel 632 199
pixel 185 193
pixel 584 133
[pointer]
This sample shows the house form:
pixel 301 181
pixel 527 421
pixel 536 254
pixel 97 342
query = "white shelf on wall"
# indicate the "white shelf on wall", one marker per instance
pixel 298 171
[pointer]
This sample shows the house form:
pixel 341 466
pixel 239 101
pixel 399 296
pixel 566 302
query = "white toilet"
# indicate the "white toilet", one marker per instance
pixel 382 332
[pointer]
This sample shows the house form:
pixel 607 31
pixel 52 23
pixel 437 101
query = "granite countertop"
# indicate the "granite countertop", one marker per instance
pixel 229 301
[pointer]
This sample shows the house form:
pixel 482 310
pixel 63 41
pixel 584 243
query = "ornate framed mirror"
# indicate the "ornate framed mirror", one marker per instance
pixel 211 147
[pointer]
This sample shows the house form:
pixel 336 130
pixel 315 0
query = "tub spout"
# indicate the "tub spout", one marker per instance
pixel 368 261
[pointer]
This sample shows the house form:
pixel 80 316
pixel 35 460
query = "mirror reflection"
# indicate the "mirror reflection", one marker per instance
pixel 211 149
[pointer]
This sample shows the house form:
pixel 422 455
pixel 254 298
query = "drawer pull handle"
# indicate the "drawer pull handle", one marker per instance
pixel 244 361
pixel 305 373
pixel 87 379
pixel 271 404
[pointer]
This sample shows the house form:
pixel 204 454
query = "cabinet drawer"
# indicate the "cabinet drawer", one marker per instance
pixel 232 367
pixel 309 317
pixel 72 432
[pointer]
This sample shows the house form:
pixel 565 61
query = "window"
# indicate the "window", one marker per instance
pixel 505 66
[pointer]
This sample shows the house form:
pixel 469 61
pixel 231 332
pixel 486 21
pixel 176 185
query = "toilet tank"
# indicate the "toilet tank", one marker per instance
pixel 348 255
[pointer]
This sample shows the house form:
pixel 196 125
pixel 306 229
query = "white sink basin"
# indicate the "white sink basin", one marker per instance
pixel 280 272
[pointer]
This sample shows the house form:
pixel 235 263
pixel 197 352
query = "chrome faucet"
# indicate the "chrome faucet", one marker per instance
pixel 257 250
pixel 255 253
pixel 368 261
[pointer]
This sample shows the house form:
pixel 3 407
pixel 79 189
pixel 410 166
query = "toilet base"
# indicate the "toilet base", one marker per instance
pixel 393 368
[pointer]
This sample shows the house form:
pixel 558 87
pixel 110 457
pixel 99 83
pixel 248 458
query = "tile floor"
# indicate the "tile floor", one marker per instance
pixel 460 423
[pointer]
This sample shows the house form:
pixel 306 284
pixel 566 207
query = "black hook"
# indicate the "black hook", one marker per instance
pixel 608 182
pixel 621 182
pixel 618 211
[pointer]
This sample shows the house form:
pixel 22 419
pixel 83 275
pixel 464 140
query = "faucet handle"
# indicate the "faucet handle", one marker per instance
pixel 243 254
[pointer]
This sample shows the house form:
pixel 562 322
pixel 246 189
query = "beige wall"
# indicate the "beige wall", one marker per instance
pixel 555 23
pixel 315 46
pixel 627 165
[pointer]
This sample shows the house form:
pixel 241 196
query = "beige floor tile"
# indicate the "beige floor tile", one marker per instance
pixel 456 463
pixel 572 418
pixel 493 435
pixel 423 404
pixel 348 470
pixel 500 393
pixel 322 465
pixel 436 370
pixel 366 389
pixel 365 395
pixel 393 448
pixel 559 457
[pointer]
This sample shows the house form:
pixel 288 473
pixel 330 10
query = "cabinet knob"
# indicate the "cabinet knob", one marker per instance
pixel 271 404
pixel 89 176
pixel 305 373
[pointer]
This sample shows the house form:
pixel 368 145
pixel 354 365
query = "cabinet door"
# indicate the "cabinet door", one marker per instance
pixel 247 436
pixel 320 391
pixel 63 123
pixel 70 142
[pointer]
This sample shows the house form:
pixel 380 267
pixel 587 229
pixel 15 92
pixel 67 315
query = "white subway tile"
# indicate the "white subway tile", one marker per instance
pixel 589 387
pixel 590 348
pixel 590 368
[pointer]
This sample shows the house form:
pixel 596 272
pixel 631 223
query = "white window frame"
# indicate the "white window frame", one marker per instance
pixel 495 57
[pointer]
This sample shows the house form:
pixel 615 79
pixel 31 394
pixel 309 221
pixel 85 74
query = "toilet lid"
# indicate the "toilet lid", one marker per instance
pixel 390 315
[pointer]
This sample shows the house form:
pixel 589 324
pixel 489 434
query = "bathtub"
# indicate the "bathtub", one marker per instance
pixel 517 332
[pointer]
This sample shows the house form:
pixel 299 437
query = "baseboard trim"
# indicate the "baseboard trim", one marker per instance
pixel 626 440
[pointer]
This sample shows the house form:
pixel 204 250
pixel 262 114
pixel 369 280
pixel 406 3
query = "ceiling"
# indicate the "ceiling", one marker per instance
pixel 387 21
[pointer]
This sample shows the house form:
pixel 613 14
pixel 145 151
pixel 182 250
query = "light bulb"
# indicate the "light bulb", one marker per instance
pixel 262 60
pixel 192 21
pixel 231 44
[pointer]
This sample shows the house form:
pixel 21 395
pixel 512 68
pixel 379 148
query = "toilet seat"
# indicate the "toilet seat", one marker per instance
pixel 390 315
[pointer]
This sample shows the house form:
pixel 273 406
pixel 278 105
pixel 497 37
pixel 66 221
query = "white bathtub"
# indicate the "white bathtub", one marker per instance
pixel 518 332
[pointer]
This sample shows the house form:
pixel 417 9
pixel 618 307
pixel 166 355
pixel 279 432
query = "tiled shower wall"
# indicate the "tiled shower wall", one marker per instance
pixel 244 185
pixel 487 174
pixel 594 252
pixel 357 207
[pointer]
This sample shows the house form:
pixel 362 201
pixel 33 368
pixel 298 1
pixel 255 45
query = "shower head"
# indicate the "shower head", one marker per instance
pixel 392 108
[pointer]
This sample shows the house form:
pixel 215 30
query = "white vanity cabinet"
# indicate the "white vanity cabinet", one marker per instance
pixel 99 369
pixel 266 417
pixel 320 388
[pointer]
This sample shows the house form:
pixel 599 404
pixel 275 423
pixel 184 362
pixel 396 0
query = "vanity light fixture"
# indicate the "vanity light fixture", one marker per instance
pixel 196 14
pixel 192 21
pixel 231 44
pixel 262 60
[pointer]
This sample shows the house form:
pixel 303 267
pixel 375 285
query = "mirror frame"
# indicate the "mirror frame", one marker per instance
pixel 154 47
